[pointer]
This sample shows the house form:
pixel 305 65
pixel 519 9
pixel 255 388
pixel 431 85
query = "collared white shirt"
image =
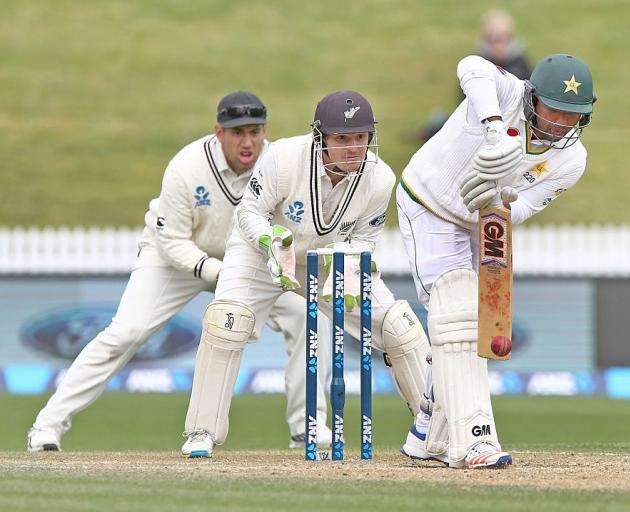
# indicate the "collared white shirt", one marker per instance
pixel 331 196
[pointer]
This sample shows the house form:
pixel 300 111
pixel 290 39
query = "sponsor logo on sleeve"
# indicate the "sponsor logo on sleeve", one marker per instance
pixel 160 224
pixel 255 186
pixel 377 221
pixel 556 193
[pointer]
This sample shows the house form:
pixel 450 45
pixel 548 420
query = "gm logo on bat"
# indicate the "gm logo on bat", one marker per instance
pixel 494 229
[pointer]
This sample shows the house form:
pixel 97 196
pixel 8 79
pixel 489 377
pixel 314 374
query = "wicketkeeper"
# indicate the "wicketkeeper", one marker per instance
pixel 327 187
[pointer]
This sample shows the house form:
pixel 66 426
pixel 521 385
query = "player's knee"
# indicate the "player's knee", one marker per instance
pixel 118 338
pixel 228 324
pixel 402 331
pixel 453 308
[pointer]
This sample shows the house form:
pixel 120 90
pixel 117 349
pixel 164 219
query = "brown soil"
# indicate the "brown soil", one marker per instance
pixel 607 472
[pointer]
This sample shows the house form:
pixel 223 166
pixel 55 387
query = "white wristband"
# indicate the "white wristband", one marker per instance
pixel 210 269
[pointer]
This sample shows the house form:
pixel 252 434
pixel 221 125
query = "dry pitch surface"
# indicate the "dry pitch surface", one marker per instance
pixel 543 470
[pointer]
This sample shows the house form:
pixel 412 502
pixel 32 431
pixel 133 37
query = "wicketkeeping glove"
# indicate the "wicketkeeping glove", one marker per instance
pixel 352 276
pixel 501 154
pixel 281 263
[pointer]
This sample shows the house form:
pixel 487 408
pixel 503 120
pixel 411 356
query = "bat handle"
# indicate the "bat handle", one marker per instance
pixel 496 202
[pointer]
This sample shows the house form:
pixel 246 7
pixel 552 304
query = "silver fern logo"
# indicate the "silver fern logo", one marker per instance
pixel 349 114
pixel 346 227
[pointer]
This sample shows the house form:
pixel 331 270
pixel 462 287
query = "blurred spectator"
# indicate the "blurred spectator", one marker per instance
pixel 500 46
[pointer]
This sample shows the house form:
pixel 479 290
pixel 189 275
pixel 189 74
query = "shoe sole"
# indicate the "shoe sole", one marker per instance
pixel 45 448
pixel 424 459
pixel 502 462
pixel 199 454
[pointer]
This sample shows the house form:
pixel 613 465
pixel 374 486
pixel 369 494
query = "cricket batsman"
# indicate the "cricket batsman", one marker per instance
pixel 327 187
pixel 516 139
pixel 180 256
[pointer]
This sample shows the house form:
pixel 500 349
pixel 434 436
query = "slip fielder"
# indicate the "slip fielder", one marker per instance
pixel 180 256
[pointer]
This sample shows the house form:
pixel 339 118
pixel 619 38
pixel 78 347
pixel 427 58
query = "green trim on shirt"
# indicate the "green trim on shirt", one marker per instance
pixel 414 197
pixel 530 148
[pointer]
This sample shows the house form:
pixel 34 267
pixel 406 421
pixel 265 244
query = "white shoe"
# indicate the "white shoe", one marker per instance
pixel 43 440
pixel 198 445
pixel 324 438
pixel 486 455
pixel 414 447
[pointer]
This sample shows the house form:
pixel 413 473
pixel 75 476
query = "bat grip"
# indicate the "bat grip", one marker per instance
pixel 496 202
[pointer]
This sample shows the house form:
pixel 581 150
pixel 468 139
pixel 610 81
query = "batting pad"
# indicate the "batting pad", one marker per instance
pixel 407 346
pixel 226 328
pixel 460 377
pixel 437 430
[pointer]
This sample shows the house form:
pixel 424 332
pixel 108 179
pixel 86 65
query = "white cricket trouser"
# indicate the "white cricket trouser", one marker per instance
pixel 246 285
pixel 154 294
pixel 434 245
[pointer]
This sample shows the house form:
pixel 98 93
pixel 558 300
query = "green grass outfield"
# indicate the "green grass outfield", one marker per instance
pixel 129 421
pixel 140 422
pixel 98 96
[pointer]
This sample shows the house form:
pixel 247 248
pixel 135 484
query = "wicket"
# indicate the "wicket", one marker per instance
pixel 337 386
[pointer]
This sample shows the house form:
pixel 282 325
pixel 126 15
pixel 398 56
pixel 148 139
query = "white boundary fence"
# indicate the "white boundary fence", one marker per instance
pixel 590 251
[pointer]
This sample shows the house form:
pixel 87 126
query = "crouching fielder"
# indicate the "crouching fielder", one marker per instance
pixel 310 191
pixel 513 138
pixel 180 256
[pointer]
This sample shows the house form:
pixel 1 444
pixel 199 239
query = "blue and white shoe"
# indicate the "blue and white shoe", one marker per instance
pixel 199 444
pixel 414 447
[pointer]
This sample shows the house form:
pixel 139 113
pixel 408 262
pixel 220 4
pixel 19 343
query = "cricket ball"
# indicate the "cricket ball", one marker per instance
pixel 501 345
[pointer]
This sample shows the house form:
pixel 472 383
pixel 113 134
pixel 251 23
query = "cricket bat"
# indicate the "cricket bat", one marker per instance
pixel 495 282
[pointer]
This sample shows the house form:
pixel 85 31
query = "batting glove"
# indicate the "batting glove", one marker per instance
pixel 476 192
pixel 501 154
pixel 508 195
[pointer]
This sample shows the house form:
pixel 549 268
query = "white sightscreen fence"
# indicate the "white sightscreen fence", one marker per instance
pixel 577 251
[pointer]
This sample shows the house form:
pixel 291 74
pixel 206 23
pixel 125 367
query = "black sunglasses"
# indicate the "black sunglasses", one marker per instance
pixel 242 111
